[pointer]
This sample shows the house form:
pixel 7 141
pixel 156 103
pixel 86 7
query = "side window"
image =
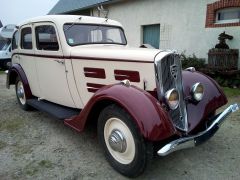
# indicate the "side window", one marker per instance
pixel 46 38
pixel 15 40
pixel 26 38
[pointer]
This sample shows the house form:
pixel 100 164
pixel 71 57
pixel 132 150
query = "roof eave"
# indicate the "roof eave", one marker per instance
pixel 87 7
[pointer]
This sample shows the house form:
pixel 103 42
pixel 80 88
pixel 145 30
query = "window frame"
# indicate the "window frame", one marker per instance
pixel 21 39
pixel 37 38
pixel 14 38
pixel 94 24
pixel 227 9
pixel 212 8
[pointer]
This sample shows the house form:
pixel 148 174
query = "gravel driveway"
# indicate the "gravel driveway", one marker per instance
pixel 36 146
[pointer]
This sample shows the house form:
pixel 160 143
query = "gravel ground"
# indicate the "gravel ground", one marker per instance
pixel 36 146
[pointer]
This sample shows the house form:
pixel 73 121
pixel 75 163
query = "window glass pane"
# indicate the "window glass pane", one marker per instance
pixel 26 38
pixel 114 35
pixel 46 38
pixel 228 14
pixel 96 36
pixel 79 34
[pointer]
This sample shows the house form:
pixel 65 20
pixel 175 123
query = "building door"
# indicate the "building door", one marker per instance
pixel 151 35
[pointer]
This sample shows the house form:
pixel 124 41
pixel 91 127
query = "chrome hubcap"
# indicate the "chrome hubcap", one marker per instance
pixel 117 141
pixel 21 93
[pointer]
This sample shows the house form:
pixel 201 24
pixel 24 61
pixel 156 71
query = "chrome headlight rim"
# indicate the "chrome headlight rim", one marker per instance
pixel 194 92
pixel 167 97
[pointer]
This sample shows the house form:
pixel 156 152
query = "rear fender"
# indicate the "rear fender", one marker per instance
pixel 151 119
pixel 17 71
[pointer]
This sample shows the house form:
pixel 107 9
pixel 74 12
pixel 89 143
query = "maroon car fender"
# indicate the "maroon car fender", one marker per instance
pixel 17 71
pixel 213 99
pixel 153 122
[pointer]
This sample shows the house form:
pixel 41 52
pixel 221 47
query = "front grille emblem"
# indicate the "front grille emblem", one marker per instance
pixel 173 70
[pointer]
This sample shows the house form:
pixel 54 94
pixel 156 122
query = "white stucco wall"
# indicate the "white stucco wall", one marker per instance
pixel 182 24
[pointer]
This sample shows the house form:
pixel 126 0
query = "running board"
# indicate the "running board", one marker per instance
pixel 55 110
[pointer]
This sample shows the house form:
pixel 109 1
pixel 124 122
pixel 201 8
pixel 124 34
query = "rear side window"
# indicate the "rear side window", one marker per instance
pixel 26 38
pixel 46 38
pixel 15 40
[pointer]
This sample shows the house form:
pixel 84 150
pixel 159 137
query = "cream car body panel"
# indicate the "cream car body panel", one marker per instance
pixel 72 84
pixel 107 59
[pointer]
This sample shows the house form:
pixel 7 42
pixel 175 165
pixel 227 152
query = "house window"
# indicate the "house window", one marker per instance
pixel 223 13
pixel 151 35
pixel 228 15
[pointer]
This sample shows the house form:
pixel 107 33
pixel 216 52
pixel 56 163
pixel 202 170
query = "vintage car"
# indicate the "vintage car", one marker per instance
pixel 81 70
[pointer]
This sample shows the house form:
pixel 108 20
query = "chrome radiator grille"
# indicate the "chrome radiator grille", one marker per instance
pixel 168 76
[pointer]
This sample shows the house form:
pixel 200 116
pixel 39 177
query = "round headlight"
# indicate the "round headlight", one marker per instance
pixel 197 91
pixel 172 98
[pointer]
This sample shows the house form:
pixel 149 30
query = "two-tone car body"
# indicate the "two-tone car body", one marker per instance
pixel 81 70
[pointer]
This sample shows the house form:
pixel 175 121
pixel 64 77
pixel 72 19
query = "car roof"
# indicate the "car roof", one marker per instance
pixel 62 19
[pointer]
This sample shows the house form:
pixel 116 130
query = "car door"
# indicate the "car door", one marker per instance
pixel 24 55
pixel 50 65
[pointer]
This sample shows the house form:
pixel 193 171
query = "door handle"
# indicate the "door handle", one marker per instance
pixel 60 61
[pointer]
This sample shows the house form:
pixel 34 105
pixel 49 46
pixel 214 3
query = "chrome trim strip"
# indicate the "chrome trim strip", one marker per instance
pixel 190 141
pixel 157 60
pixel 191 69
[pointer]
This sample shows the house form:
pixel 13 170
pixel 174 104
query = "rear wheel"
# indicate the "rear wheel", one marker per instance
pixel 21 96
pixel 124 147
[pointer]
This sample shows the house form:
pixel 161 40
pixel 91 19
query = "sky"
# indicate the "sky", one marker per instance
pixel 16 11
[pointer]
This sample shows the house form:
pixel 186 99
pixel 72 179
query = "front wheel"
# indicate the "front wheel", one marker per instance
pixel 21 96
pixel 124 147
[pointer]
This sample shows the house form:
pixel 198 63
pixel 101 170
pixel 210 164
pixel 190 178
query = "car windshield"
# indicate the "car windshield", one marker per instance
pixel 80 34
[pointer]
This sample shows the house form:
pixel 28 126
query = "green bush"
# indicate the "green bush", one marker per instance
pixel 192 61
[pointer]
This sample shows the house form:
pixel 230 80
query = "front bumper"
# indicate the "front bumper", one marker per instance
pixel 191 141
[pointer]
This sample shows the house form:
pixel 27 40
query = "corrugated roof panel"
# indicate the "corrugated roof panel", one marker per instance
pixel 64 6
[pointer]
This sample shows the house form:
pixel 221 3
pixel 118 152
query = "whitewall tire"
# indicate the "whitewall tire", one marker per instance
pixel 21 95
pixel 124 147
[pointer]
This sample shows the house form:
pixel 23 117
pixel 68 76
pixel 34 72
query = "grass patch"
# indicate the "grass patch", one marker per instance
pixel 34 167
pixel 2 145
pixel 20 150
pixel 11 126
pixel 45 164
pixel 30 169
pixel 2 72
pixel 230 92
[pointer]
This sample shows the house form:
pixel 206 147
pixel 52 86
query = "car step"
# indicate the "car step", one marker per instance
pixel 55 110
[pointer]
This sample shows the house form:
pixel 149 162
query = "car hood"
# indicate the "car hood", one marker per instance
pixel 123 53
